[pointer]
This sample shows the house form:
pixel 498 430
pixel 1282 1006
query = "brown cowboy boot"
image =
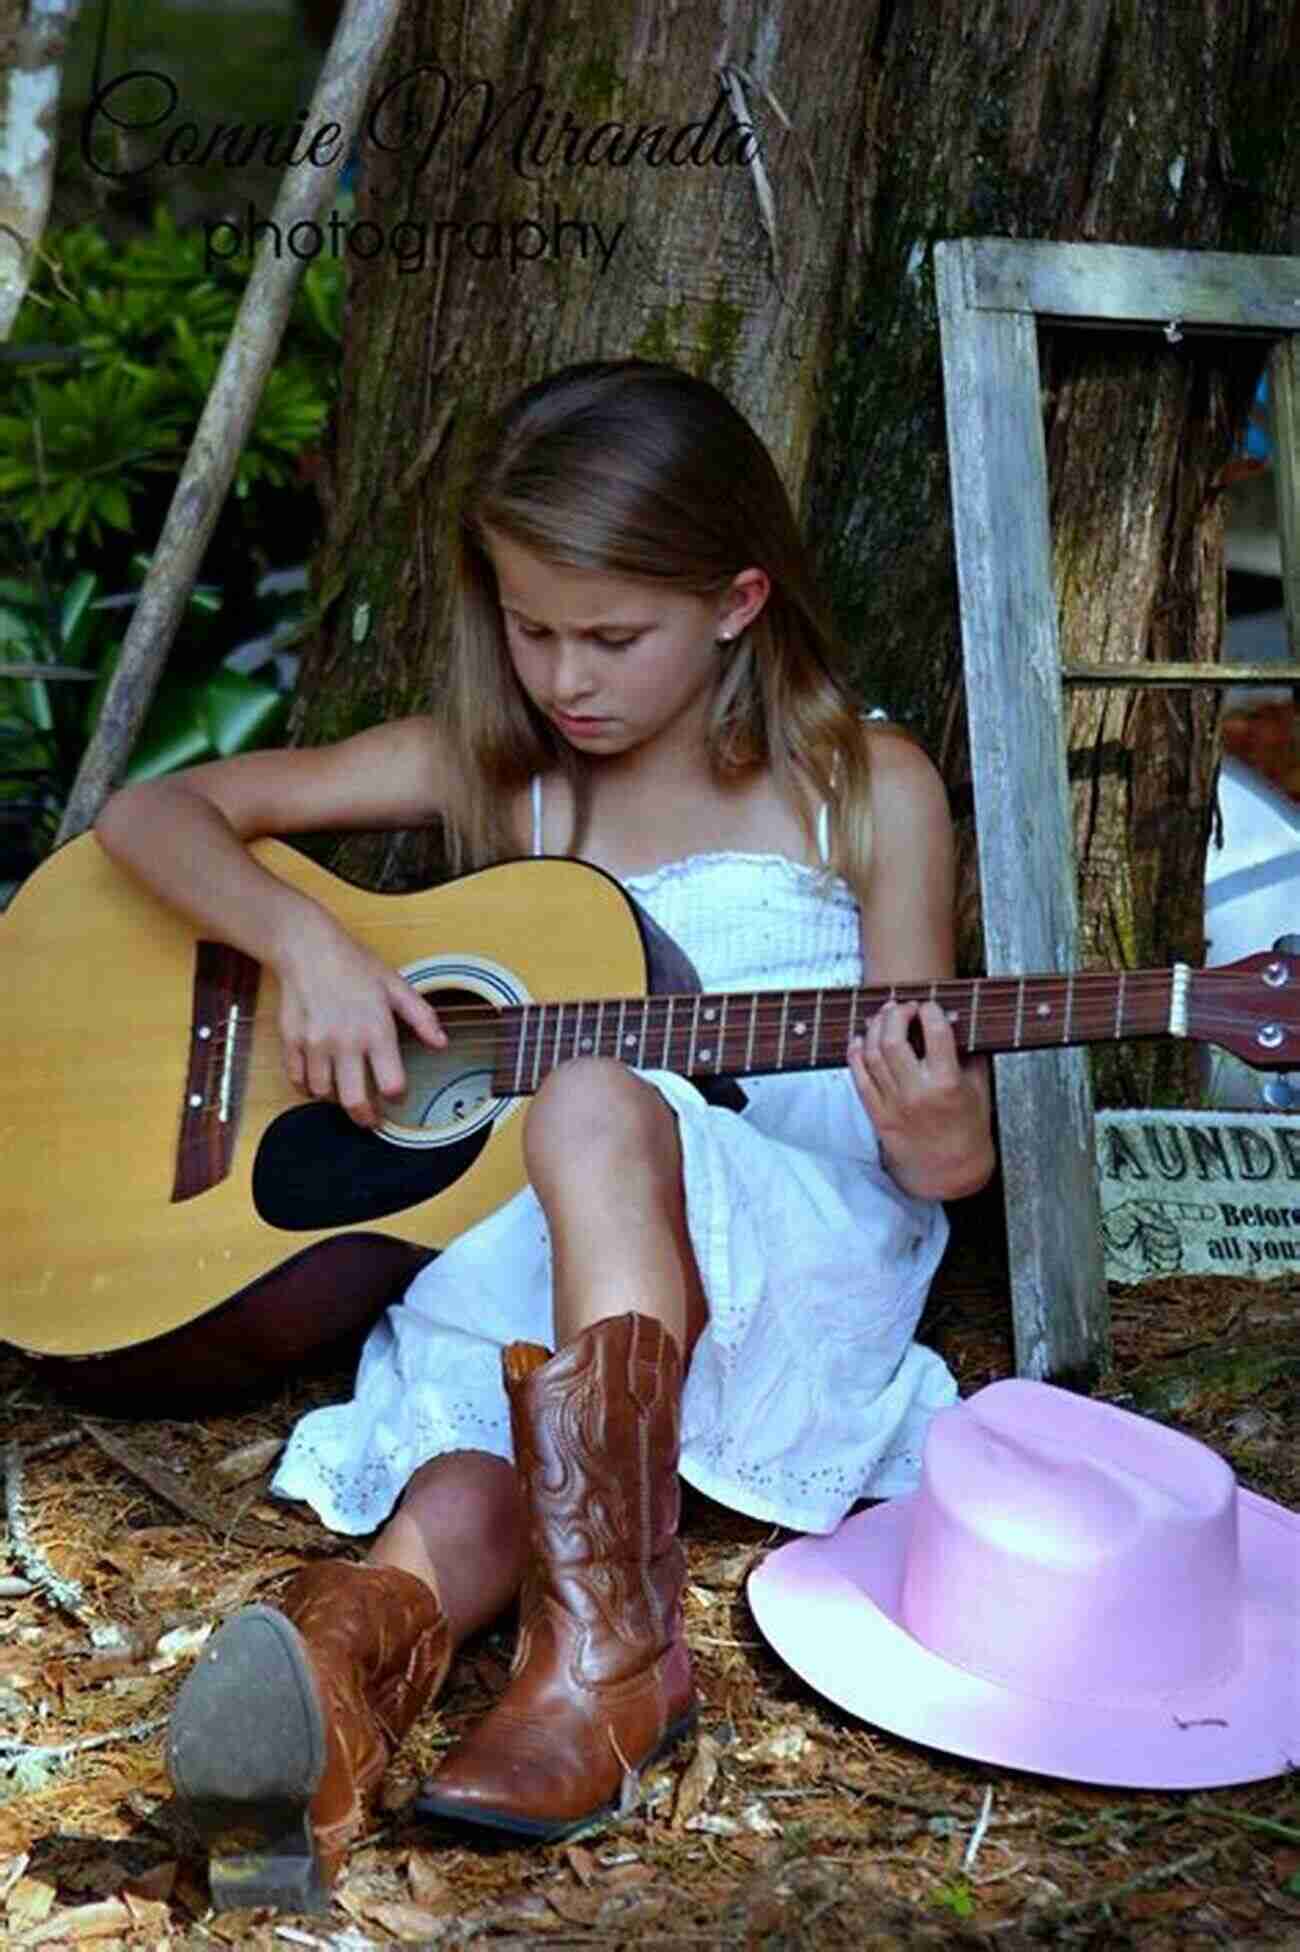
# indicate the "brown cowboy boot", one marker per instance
pixel 284 1727
pixel 601 1680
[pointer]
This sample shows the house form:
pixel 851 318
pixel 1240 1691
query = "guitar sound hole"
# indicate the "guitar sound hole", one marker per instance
pixel 446 1089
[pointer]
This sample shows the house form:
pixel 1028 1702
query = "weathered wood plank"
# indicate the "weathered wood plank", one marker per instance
pixel 1123 282
pixel 1181 674
pixel 998 469
pixel 1284 385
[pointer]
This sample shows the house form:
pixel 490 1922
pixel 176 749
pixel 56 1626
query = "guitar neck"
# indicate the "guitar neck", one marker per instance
pixel 739 1033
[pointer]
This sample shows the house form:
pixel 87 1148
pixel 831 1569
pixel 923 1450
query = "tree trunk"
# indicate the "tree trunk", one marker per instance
pixel 1167 126
pixel 33 34
pixel 724 268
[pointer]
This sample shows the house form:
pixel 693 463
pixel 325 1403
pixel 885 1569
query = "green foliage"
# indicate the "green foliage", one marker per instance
pixel 956 1897
pixel 58 650
pixel 113 354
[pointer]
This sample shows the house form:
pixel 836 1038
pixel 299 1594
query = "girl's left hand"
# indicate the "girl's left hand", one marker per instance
pixel 930 1110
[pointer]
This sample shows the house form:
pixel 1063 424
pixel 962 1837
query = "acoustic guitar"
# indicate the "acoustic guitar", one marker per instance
pixel 177 1221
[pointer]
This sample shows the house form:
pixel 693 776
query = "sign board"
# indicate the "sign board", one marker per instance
pixel 1199 1193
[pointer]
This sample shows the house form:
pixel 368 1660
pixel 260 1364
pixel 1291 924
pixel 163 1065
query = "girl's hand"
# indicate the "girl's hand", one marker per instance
pixel 339 1010
pixel 930 1111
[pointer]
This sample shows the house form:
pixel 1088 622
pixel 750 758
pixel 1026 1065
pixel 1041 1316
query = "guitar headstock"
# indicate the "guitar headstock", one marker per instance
pixel 1251 1008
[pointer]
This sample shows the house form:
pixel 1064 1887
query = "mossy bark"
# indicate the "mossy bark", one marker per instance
pixel 1119 122
pixel 698 276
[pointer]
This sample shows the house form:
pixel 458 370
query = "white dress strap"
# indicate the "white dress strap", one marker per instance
pixel 537 813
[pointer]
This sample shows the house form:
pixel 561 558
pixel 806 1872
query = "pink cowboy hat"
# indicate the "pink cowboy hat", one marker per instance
pixel 1071 1589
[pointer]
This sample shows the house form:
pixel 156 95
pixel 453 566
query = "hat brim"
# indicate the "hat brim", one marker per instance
pixel 830 1608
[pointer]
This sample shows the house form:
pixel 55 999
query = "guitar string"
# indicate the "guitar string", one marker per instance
pixel 1141 986
pixel 487 1053
pixel 651 1016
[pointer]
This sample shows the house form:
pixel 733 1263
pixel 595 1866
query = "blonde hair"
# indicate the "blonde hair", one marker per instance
pixel 639 469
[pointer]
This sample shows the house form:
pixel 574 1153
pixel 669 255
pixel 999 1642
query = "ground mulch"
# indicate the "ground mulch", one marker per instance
pixel 785 1824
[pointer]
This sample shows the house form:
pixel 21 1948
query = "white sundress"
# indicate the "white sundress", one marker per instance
pixel 805 1390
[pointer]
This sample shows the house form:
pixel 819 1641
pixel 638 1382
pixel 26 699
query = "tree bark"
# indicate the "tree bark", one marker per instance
pixel 723 269
pixel 33 35
pixel 1116 122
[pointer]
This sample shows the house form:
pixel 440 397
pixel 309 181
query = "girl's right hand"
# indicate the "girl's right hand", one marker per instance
pixel 340 1006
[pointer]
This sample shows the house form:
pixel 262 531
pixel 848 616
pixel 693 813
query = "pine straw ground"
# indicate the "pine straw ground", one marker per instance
pixel 787 1825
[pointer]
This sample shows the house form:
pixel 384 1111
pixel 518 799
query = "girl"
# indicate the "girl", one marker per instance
pixel 641 675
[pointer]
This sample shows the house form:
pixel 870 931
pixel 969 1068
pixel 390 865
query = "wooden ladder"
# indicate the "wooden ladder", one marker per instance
pixel 991 294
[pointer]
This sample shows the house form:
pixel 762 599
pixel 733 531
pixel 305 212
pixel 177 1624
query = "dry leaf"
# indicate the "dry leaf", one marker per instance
pixel 697 1780
pixel 411 1923
pixel 621 1877
pixel 29 1901
pixel 249 1461
pixel 147 1914
pixel 785 1744
pixel 11 1869
pixel 582 1862
pixel 181 1644
pixel 428 1885
pixel 730 1572
pixel 576 1907
pixel 716 1826
pixel 105 1920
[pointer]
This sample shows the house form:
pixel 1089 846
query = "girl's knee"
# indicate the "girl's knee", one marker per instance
pixel 593 1110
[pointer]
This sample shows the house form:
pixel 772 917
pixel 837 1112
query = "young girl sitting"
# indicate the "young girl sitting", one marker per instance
pixel 642 676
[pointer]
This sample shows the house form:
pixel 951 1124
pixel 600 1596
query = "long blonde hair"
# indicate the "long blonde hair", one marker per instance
pixel 638 469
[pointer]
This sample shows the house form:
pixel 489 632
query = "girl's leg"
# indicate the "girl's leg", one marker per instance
pixel 459 1528
pixel 601 1681
pixel 605 1162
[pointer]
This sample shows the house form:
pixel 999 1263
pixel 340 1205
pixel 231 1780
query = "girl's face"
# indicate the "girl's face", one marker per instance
pixel 613 661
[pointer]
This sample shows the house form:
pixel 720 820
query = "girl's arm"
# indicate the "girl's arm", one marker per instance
pixel 185 837
pixel 932 1112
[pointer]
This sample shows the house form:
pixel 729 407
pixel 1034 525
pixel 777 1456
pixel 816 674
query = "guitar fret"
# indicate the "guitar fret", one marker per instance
pixel 753 1022
pixel 693 1038
pixel 785 1011
pixel 1020 1013
pixel 577 1032
pixel 600 1023
pixel 668 1035
pixel 817 1030
pixel 974 1013
pixel 1119 1005
pixel 722 1035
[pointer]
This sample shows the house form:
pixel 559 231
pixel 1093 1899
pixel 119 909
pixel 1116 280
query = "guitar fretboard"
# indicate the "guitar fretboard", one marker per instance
pixel 733 1034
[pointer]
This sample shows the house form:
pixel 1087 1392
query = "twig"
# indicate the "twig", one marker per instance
pixel 977 1834
pixel 174 1491
pixel 27 1555
pixel 12 1751
pixel 1156 1874
pixel 1268 1824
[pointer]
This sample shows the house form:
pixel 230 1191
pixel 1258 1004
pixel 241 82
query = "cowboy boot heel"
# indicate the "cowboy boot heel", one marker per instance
pixel 282 1731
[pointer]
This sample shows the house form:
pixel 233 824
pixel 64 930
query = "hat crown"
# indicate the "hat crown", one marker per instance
pixel 1071 1550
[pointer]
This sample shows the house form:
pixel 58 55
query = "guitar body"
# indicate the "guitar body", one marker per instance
pixel 161 1176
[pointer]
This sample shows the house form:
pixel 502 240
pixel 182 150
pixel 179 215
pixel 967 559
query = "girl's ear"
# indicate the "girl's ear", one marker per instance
pixel 748 592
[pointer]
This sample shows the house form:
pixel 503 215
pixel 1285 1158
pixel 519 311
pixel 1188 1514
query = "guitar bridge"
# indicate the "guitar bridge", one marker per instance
pixel 221 1036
